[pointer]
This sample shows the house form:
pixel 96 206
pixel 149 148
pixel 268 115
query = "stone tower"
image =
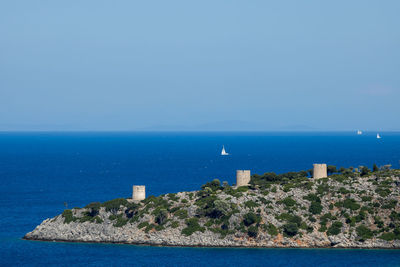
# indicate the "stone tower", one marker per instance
pixel 320 171
pixel 139 192
pixel 242 177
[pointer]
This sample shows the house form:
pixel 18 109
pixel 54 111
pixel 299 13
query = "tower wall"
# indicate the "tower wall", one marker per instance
pixel 242 177
pixel 320 171
pixel 139 192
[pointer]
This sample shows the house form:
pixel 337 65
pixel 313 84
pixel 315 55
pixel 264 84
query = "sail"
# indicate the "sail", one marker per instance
pixel 378 136
pixel 223 152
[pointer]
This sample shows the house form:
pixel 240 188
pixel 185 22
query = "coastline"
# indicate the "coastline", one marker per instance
pixel 202 246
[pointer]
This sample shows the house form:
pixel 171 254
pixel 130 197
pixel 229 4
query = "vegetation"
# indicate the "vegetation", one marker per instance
pixel 348 201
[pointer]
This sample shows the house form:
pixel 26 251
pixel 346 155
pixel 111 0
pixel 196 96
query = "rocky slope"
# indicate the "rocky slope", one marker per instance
pixel 286 210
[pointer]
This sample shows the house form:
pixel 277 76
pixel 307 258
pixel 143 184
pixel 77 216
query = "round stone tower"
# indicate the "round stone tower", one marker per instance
pixel 139 192
pixel 320 171
pixel 242 177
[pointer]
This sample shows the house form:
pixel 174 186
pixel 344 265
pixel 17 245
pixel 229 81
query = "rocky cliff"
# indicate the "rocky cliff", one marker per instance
pixel 287 210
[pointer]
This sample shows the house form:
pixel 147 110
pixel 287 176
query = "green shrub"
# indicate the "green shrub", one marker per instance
pixel 192 226
pixel 161 216
pixel 364 232
pixel 312 197
pixel 94 209
pixel 242 189
pixel 252 231
pixel 251 204
pixel 315 207
pixel 288 202
pixel 388 236
pixel 351 204
pixel 114 205
pixel 290 229
pixel 271 229
pixel 214 185
pixel 142 225
pixel 174 224
pixel 120 221
pixel 343 190
pixel 251 218
pixel 68 216
pixel 290 218
pixel 383 191
pixel 173 197
pixel 98 219
pixel 181 214
pixel 335 228
pixel 323 189
pixel 366 198
pixel 391 204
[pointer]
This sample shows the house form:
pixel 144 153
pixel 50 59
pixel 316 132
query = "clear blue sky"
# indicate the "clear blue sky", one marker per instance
pixel 200 65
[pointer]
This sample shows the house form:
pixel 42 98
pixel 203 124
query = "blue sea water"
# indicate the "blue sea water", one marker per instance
pixel 41 171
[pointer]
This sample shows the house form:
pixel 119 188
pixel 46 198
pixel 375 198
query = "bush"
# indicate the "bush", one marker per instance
pixel 271 229
pixel 161 216
pixel 68 216
pixel 365 171
pixel 312 197
pixel 335 228
pixel 288 202
pixel 175 224
pixel 391 204
pixel 214 185
pixel 114 205
pixel 382 191
pixel 173 197
pixel 252 231
pixel 192 226
pixel 94 209
pixel 388 236
pixel 251 204
pixel 350 203
pixel 181 214
pixel 120 221
pixel 131 209
pixel 290 229
pixel 315 207
pixel 143 224
pixel 250 218
pixel 364 232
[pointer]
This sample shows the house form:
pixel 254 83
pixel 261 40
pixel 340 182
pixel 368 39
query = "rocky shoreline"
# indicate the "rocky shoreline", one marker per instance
pixel 346 214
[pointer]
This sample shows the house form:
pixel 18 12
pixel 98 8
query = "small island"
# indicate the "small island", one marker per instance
pixel 336 208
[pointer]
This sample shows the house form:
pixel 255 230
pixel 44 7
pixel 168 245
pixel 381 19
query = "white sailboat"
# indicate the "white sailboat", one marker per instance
pixel 223 152
pixel 378 136
pixel 359 132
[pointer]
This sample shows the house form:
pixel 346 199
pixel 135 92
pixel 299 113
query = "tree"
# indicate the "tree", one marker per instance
pixel 331 169
pixel 315 207
pixel 161 217
pixel 365 171
pixel 290 229
pixel 250 218
pixel 252 231
pixel 375 168
pixel 214 185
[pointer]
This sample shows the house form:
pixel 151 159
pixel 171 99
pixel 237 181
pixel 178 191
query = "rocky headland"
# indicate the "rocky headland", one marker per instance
pixel 348 209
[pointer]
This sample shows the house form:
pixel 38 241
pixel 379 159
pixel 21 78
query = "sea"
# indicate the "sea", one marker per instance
pixel 42 173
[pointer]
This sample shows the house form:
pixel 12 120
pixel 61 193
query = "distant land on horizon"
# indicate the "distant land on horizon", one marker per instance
pixel 216 126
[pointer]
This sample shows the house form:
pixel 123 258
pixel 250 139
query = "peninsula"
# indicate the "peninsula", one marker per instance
pixel 345 208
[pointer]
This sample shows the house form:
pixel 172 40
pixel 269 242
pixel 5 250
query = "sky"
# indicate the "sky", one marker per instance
pixel 199 65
